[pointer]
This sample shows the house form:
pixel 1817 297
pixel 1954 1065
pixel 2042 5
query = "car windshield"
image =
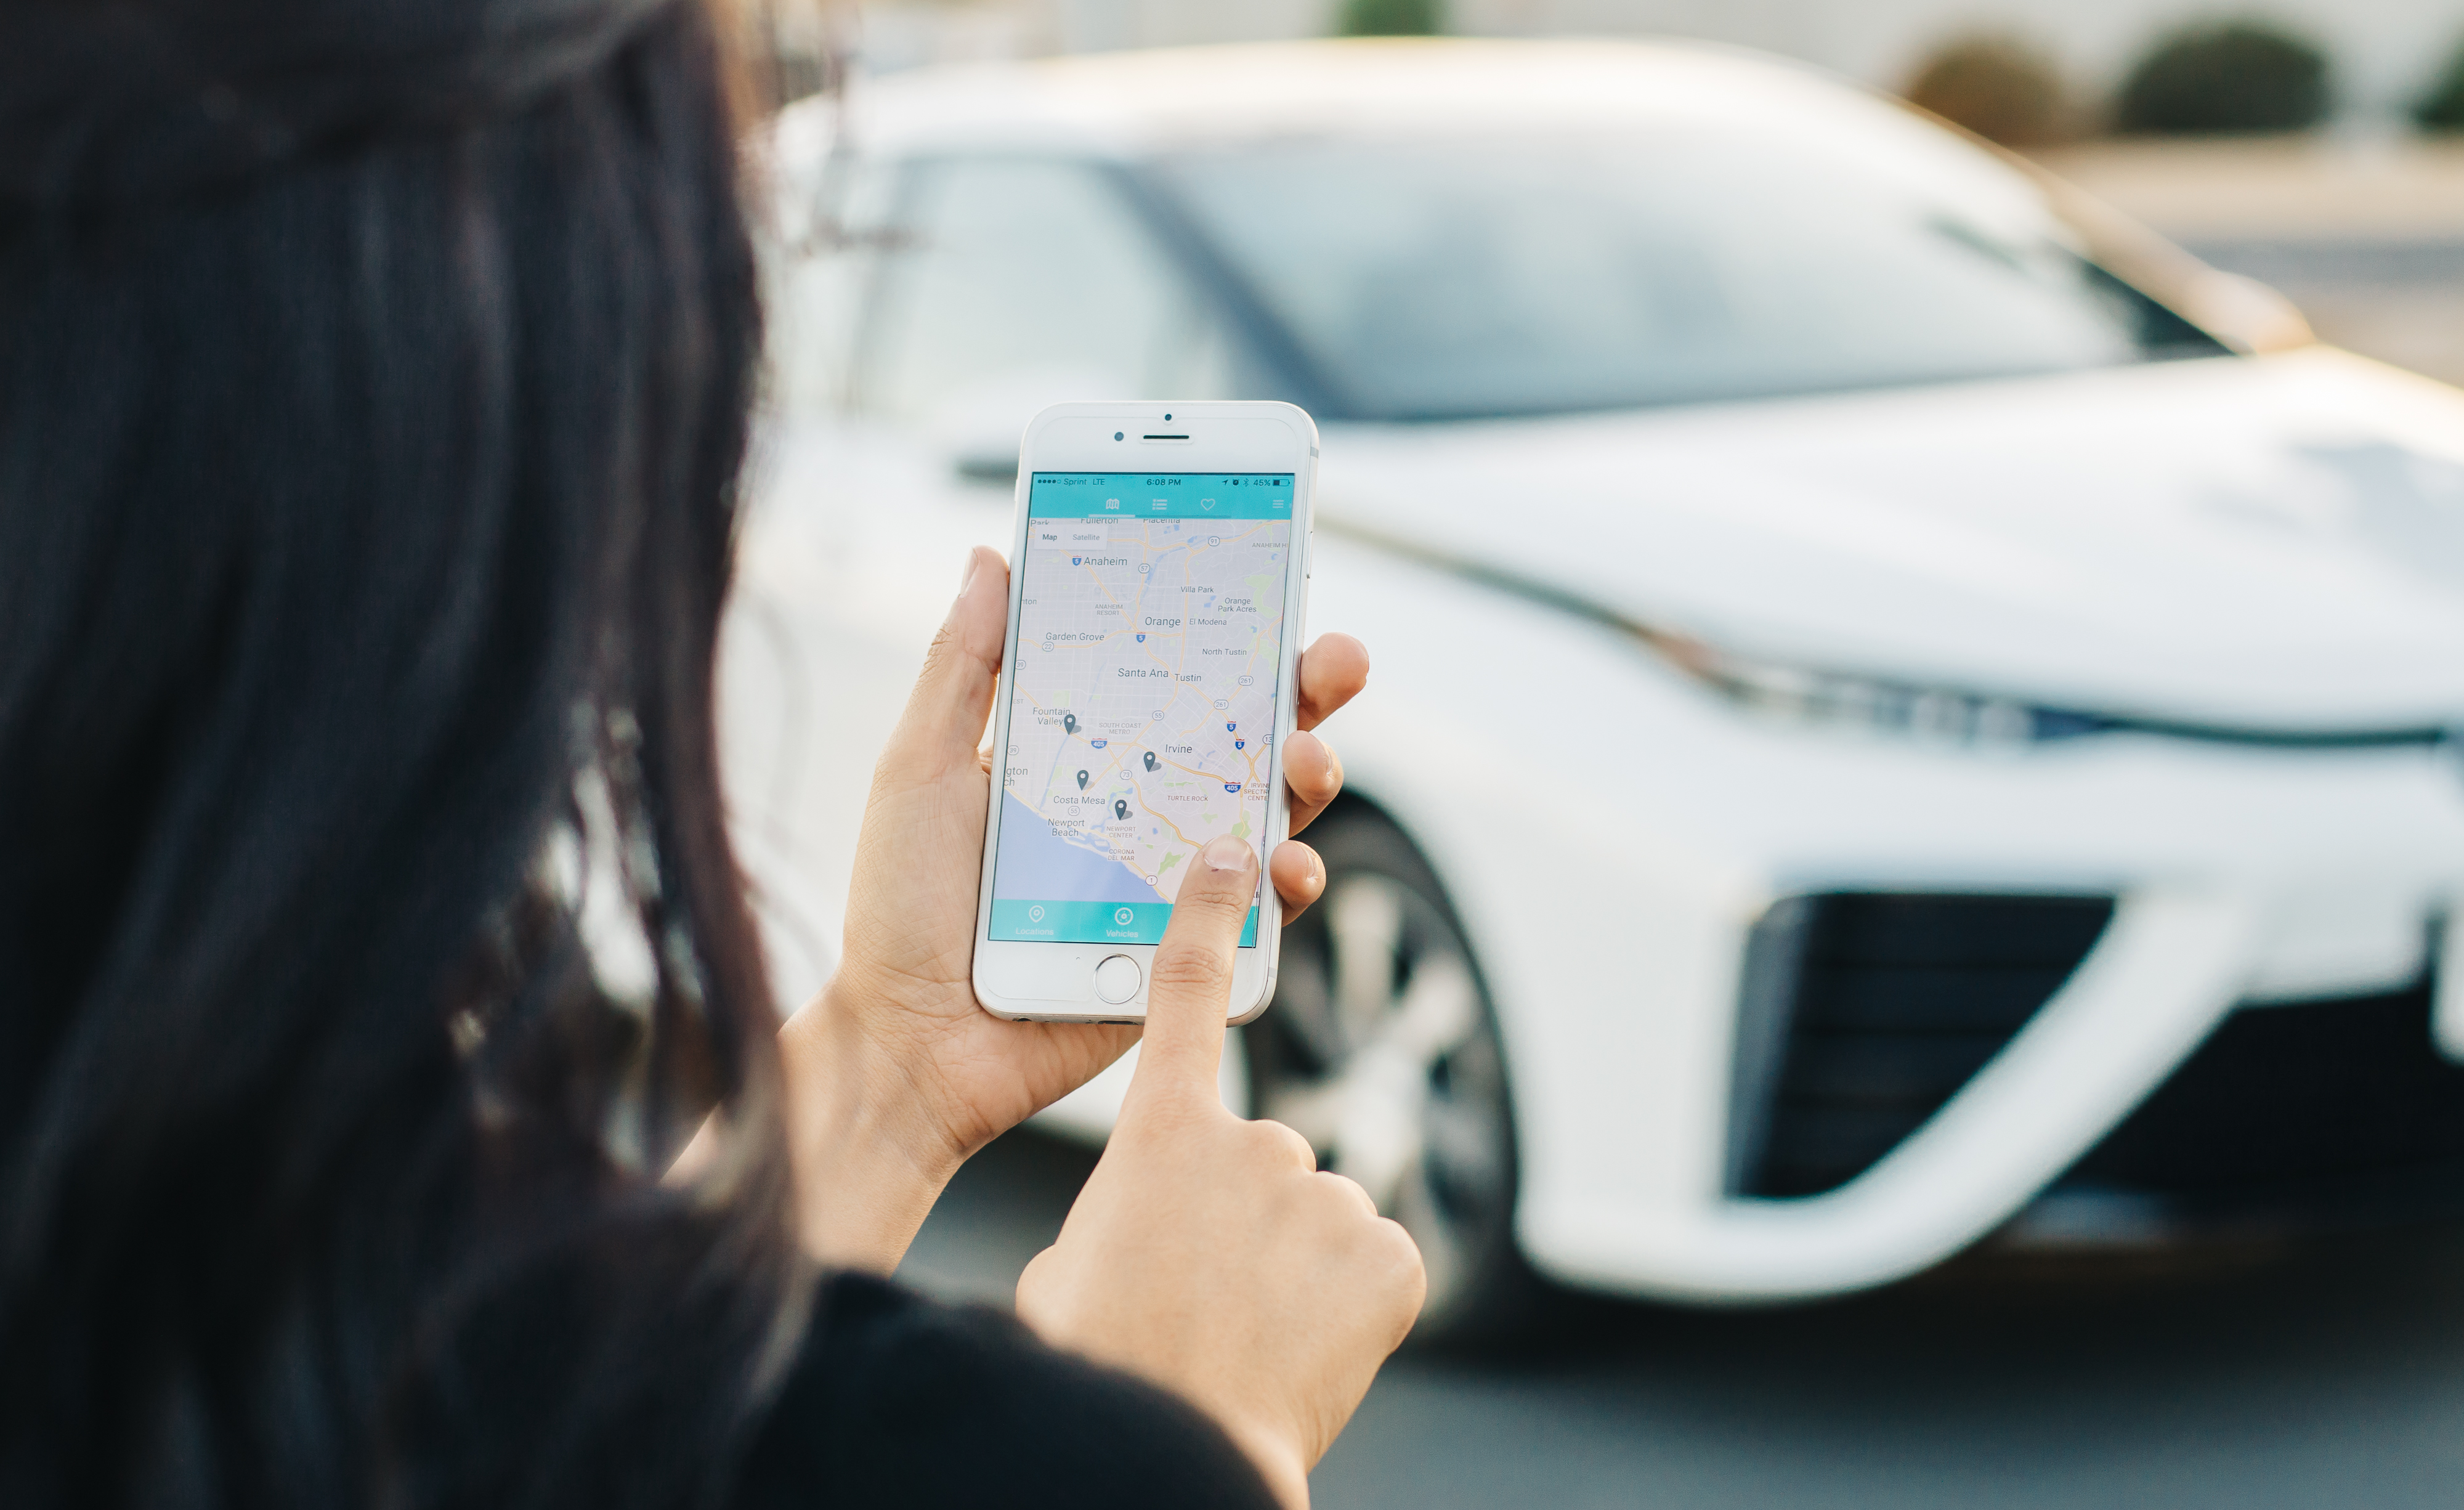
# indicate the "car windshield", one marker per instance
pixel 1449 279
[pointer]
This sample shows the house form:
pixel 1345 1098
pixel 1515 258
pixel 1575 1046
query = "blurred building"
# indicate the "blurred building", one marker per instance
pixel 2384 51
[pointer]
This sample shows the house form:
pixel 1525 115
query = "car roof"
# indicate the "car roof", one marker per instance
pixel 1129 105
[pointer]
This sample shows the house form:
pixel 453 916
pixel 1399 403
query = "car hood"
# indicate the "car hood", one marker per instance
pixel 2273 543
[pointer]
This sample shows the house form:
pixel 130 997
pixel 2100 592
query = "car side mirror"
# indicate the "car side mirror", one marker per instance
pixel 2246 312
pixel 978 426
pixel 986 458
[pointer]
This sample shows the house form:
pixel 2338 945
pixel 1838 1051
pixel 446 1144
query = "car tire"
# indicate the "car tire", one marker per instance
pixel 1380 1048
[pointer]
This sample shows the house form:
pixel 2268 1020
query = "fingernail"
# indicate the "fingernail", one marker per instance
pixel 968 579
pixel 1226 854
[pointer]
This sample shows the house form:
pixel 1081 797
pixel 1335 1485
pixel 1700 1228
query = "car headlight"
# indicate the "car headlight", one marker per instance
pixel 1950 716
pixel 1849 699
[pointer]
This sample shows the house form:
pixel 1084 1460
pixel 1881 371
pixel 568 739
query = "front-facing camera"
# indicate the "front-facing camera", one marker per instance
pixel 1116 435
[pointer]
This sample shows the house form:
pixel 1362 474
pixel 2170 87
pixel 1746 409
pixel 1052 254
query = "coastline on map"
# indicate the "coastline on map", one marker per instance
pixel 1032 862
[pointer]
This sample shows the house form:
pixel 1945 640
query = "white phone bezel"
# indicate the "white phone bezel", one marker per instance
pixel 1027 981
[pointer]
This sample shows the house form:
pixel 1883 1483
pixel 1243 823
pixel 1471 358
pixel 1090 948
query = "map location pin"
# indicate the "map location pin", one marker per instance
pixel 1150 759
pixel 1082 781
pixel 1068 724
pixel 1120 809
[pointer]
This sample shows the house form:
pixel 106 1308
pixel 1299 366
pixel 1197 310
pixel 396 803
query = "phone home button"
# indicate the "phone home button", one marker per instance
pixel 1116 980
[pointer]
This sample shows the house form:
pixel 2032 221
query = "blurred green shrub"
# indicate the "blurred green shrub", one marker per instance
pixel 2225 78
pixel 1999 87
pixel 2442 109
pixel 1389 19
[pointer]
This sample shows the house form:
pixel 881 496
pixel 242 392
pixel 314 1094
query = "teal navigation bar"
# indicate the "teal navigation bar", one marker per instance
pixel 1091 923
pixel 1141 495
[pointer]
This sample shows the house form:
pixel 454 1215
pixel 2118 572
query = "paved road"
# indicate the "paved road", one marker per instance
pixel 2330 1376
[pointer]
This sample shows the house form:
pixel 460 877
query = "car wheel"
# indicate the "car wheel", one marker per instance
pixel 1382 1049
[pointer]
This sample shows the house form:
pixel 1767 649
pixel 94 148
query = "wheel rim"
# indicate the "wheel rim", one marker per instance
pixel 1384 1061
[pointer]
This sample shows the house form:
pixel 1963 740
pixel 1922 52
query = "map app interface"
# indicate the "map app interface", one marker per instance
pixel 1142 722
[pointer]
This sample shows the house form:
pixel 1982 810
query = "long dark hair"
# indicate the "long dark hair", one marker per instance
pixel 373 383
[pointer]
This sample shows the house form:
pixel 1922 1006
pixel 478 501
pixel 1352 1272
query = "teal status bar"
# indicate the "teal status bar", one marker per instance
pixel 1139 495
pixel 1091 923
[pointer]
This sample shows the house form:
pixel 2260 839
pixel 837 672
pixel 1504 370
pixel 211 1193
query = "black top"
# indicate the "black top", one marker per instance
pixel 898 1401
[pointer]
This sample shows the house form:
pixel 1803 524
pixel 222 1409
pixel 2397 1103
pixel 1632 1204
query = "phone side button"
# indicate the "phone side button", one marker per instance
pixel 1116 980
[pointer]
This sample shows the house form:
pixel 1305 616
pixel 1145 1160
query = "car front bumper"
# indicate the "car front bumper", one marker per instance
pixel 1612 837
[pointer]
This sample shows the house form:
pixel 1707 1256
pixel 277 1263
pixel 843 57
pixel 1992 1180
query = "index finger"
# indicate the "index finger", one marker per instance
pixel 1332 674
pixel 1189 983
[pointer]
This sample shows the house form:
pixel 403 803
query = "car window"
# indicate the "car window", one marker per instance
pixel 1019 283
pixel 1439 278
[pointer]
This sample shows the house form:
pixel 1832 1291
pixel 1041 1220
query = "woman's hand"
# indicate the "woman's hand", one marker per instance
pixel 895 1073
pixel 1206 1252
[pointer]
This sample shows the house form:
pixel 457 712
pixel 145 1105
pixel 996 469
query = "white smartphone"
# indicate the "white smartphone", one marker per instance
pixel 1158 582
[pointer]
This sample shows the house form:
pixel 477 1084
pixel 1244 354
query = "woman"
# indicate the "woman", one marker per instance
pixel 373 381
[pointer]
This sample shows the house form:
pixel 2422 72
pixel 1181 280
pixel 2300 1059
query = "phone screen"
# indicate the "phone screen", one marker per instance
pixel 1150 629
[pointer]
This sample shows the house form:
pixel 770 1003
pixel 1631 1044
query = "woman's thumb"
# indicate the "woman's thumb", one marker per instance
pixel 1189 983
pixel 945 713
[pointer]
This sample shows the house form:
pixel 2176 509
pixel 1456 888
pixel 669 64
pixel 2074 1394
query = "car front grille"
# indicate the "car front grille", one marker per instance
pixel 1863 1013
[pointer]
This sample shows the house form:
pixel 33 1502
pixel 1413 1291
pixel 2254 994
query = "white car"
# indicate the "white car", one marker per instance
pixel 1904 709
